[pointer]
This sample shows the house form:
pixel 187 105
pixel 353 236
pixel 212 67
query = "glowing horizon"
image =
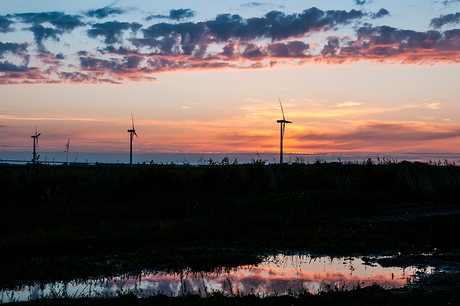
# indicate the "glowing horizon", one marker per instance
pixel 205 77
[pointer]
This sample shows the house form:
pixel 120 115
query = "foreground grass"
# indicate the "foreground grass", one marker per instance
pixel 373 295
pixel 66 223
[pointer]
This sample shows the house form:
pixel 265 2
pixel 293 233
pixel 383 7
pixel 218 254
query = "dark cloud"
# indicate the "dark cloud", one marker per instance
pixel 119 51
pixel 47 57
pixel 5 24
pixel 60 20
pixel 41 33
pixel 183 47
pixel 156 17
pixel 294 49
pixel 116 66
pixel 165 36
pixel 255 4
pixel 228 50
pixel 77 77
pixel 445 19
pixel 231 51
pixel 93 78
pixel 275 26
pixel 62 23
pixel 449 2
pixel 128 68
pixel 105 12
pixel 246 43
pixel 390 44
pixel 405 39
pixel 181 14
pixel 13 48
pixel 331 48
pixel 381 13
pixel 362 2
pixel 137 67
pixel 452 36
pixel 15 74
pixel 174 15
pixel 162 66
pixel 10 67
pixel 252 52
pixel 112 31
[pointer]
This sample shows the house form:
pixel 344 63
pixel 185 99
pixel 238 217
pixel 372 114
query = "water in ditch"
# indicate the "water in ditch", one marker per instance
pixel 277 274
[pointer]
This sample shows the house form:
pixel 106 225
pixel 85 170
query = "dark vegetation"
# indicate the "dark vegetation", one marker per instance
pixel 373 295
pixel 62 223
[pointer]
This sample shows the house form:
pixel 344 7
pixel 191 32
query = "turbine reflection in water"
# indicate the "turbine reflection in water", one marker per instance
pixel 279 272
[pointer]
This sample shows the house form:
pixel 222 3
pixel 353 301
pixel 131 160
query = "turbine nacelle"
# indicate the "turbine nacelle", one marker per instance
pixel 134 132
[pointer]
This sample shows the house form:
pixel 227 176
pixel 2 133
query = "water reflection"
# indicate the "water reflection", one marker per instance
pixel 278 274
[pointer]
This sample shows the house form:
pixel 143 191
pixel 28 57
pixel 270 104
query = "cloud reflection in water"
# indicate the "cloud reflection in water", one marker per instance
pixel 282 273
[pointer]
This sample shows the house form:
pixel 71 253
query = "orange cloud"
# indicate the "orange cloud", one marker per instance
pixel 381 136
pixel 424 105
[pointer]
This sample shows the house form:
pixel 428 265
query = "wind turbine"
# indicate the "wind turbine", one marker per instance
pixel 67 146
pixel 131 133
pixel 35 138
pixel 283 126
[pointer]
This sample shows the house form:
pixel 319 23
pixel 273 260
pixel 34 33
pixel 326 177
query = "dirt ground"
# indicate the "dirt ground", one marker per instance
pixel 444 269
pixel 401 212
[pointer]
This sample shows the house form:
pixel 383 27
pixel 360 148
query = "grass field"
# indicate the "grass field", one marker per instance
pixel 59 223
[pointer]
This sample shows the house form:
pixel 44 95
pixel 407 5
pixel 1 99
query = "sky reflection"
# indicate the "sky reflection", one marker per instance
pixel 278 274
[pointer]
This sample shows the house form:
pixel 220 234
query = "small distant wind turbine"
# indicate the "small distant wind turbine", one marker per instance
pixel 35 138
pixel 67 146
pixel 283 126
pixel 131 133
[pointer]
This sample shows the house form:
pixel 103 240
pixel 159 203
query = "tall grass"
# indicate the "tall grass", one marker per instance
pixel 47 197
pixel 39 184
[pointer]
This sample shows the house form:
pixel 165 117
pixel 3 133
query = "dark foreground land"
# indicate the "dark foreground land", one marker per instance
pixel 64 223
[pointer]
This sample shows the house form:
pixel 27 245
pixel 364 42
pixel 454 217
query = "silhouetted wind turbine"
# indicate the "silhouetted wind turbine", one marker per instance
pixel 131 133
pixel 283 126
pixel 67 146
pixel 35 138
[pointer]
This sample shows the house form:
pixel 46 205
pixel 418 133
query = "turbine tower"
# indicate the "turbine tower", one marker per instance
pixel 283 126
pixel 131 133
pixel 35 138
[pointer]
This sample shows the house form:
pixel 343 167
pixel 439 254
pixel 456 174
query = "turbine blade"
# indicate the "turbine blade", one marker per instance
pixel 284 127
pixel 35 130
pixel 132 119
pixel 282 111
pixel 135 134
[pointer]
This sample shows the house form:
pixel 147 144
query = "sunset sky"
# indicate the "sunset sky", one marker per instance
pixel 205 76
